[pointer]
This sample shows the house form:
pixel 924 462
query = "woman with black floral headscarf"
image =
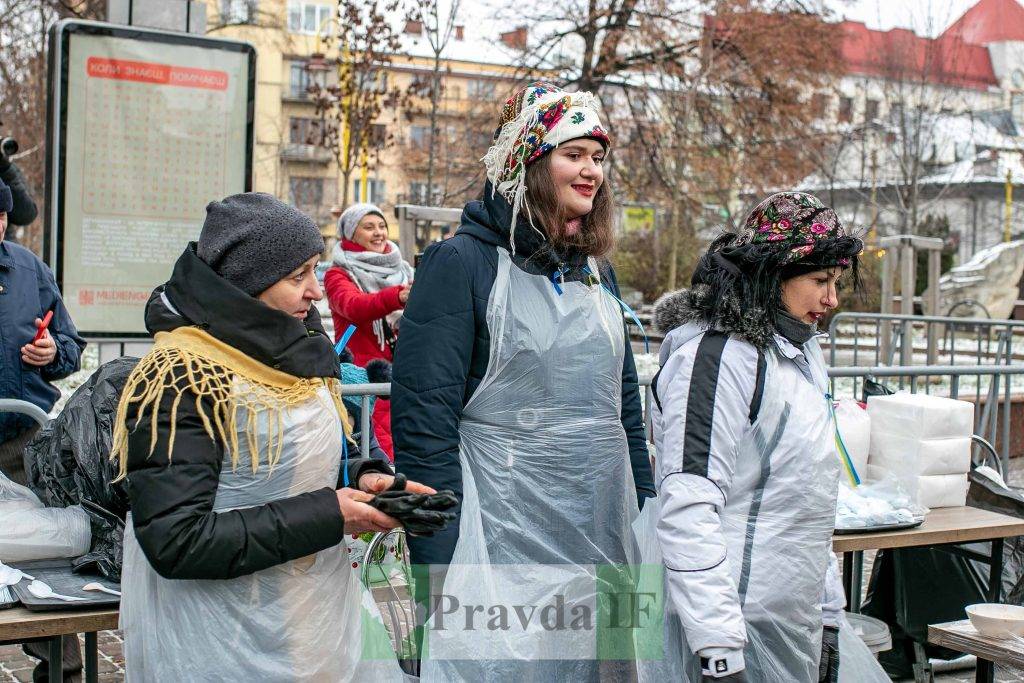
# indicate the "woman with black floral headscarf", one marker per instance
pixel 747 470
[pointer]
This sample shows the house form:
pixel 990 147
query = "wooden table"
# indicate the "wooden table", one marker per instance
pixel 19 624
pixel 961 636
pixel 943 528
pixel 942 525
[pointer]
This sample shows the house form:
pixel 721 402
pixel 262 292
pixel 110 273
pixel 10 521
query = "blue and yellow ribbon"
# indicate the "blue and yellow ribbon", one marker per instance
pixel 844 454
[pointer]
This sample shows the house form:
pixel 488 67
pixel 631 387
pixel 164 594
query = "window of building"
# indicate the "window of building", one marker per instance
pixel 300 79
pixel 870 110
pixel 845 109
pixel 712 132
pixel 373 81
pixel 418 193
pixel 309 17
pixel 419 136
pixel 420 85
pixel 238 11
pixel 480 89
pixel 306 193
pixel 374 194
pixel 819 105
pixel 304 131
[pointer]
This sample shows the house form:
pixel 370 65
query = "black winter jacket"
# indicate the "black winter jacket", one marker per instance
pixel 172 499
pixel 24 211
pixel 444 348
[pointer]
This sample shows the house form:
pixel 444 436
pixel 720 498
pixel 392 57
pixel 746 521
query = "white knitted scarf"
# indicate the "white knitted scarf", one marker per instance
pixel 372 272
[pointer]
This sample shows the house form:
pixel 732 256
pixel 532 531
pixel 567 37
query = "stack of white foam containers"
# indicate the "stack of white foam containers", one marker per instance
pixel 925 443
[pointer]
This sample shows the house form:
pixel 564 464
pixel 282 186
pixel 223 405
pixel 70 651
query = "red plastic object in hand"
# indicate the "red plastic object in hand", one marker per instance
pixel 42 326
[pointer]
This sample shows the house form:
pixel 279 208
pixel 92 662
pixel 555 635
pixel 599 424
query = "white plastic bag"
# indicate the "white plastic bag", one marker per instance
pixel 854 425
pixel 856 663
pixel 31 531
pixel 876 502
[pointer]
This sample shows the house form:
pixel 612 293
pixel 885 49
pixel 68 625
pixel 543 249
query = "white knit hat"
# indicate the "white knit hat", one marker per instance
pixel 350 218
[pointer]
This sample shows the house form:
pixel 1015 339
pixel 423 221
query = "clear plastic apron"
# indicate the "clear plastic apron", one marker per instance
pixel 778 525
pixel 548 493
pixel 309 619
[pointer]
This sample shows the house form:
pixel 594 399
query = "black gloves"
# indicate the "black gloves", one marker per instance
pixel 828 669
pixel 421 514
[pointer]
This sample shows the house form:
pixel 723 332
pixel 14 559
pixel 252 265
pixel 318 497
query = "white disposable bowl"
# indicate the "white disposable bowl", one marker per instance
pixel 997 621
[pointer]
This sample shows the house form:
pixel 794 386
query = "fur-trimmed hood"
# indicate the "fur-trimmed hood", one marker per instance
pixel 695 307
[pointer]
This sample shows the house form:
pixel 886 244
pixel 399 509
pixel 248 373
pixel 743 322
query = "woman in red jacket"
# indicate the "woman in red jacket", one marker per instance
pixel 368 287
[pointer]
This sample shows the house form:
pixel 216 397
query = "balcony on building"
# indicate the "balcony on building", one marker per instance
pixel 313 154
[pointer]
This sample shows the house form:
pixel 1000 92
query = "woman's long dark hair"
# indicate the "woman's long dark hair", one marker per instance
pixel 597 234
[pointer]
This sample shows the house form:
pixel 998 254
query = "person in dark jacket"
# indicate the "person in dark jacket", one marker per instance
pixel 23 208
pixel 27 367
pixel 514 383
pixel 232 434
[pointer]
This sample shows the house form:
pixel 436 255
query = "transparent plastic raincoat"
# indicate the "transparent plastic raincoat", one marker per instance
pixel 549 499
pixel 309 619
pixel 745 513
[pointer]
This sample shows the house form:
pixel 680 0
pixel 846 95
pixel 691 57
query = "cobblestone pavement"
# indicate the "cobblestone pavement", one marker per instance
pixel 15 666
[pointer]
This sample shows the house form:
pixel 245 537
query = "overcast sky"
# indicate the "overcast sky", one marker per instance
pixel 926 17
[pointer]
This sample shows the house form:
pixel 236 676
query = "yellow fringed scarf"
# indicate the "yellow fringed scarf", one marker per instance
pixel 190 360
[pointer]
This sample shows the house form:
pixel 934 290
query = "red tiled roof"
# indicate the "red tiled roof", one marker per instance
pixel 902 54
pixel 989 21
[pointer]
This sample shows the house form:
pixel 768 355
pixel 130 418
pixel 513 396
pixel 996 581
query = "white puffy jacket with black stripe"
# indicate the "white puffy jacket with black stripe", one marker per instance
pixel 746 474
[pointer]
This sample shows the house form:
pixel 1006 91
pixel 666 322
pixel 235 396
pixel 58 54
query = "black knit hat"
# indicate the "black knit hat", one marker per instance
pixel 253 240
pixel 6 198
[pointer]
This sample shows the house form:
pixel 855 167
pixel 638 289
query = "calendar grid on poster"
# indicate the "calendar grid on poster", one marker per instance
pixel 153 153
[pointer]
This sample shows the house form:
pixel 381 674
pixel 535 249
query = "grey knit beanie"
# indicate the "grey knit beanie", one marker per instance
pixel 252 240
pixel 348 220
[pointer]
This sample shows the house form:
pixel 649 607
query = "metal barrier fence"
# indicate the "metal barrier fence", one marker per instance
pixel 365 392
pixel 960 340
pixel 944 380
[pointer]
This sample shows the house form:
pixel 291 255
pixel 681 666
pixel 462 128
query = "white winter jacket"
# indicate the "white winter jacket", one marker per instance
pixel 747 474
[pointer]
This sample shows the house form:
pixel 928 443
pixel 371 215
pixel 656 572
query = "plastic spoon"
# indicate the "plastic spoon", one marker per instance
pixel 10 576
pixel 43 591
pixel 99 587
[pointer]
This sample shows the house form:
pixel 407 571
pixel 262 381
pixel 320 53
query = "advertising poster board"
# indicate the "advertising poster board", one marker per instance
pixel 637 218
pixel 146 127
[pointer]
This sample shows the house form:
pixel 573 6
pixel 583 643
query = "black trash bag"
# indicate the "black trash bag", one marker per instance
pixel 873 388
pixel 988 495
pixel 68 464
pixel 913 587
